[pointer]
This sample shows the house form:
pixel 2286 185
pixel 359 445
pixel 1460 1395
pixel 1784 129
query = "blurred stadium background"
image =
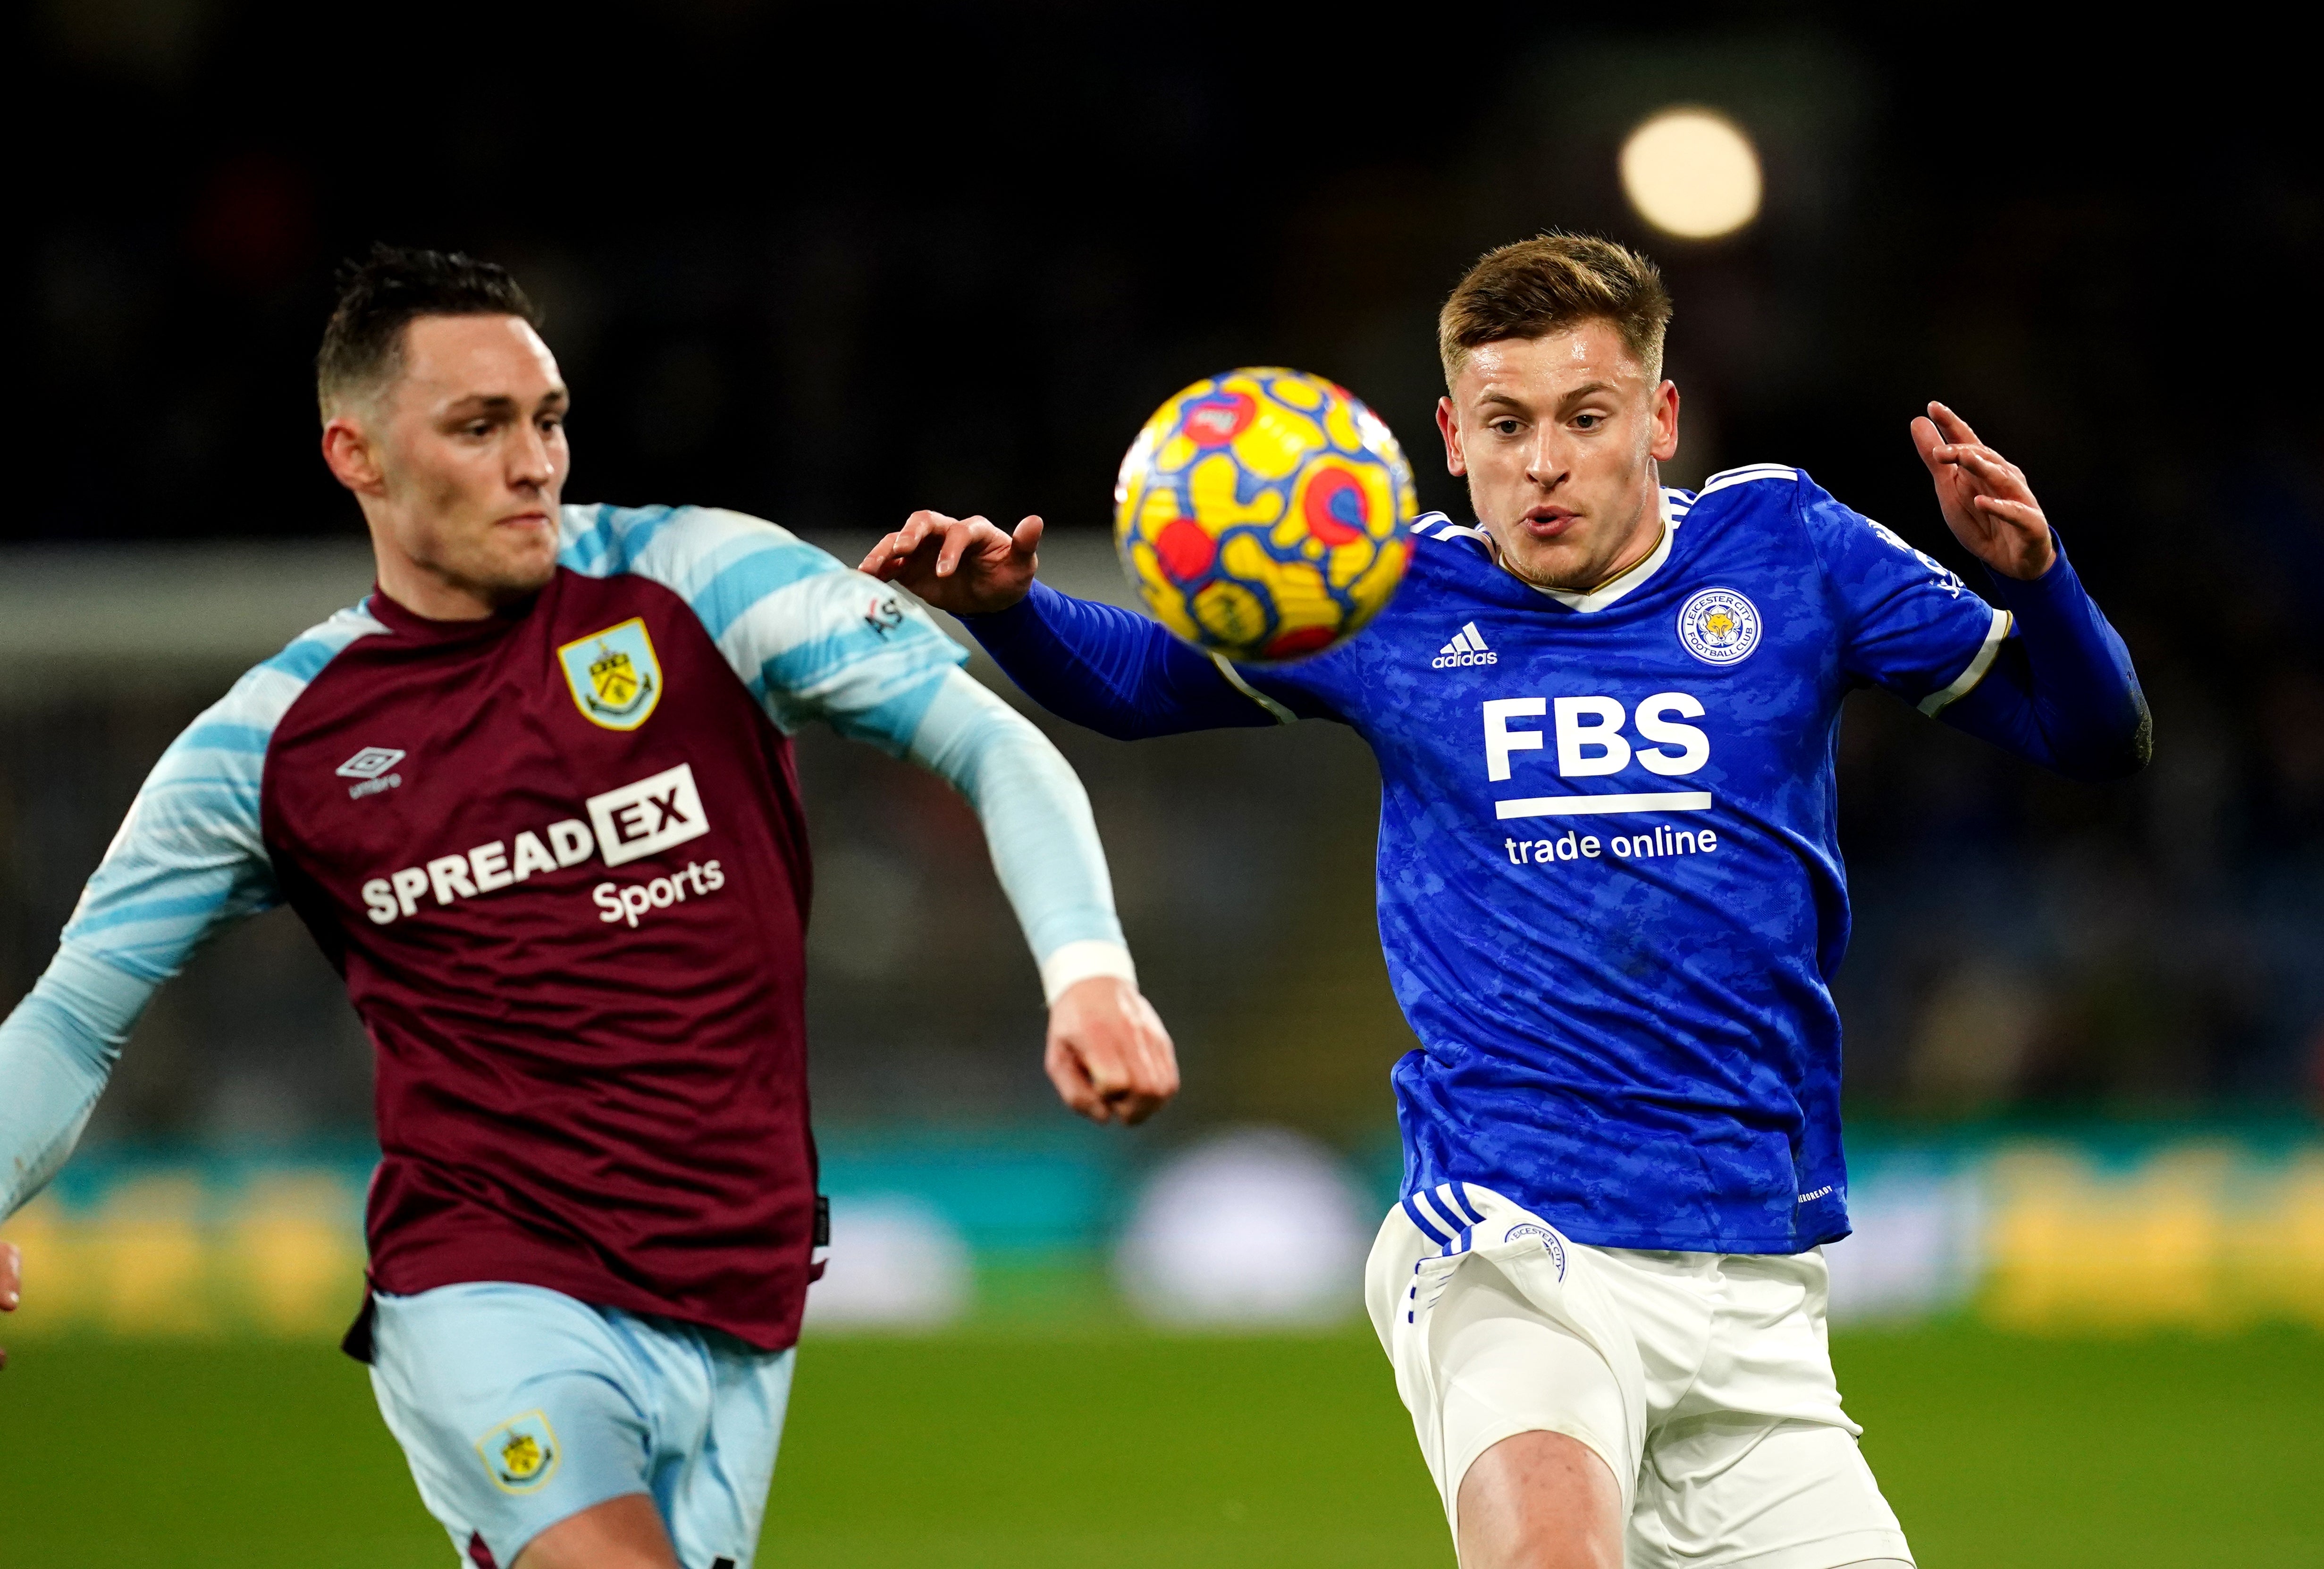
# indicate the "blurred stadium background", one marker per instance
pixel 828 267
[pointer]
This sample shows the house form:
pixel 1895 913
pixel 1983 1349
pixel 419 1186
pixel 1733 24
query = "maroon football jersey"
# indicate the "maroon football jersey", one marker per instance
pixel 559 856
pixel 581 957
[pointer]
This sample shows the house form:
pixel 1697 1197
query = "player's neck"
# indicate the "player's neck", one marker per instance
pixel 1643 539
pixel 429 592
pixel 426 595
pixel 1653 536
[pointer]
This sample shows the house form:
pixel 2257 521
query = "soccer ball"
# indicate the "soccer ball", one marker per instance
pixel 1262 514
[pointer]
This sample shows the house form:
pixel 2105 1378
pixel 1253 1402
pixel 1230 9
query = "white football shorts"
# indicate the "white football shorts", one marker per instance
pixel 518 1406
pixel 1703 1380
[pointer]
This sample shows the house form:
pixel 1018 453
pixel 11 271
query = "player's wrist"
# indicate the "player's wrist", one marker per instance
pixel 1003 597
pixel 2049 571
pixel 1088 959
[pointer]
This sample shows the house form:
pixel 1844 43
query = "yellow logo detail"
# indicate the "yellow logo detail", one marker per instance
pixel 615 680
pixel 520 1453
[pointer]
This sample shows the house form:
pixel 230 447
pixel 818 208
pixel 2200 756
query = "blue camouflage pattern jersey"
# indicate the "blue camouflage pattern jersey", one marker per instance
pixel 1610 890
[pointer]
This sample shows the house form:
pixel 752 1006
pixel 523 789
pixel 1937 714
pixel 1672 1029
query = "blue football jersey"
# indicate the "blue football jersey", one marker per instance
pixel 1610 890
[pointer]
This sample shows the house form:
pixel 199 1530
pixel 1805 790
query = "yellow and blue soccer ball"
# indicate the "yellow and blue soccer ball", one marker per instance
pixel 1262 514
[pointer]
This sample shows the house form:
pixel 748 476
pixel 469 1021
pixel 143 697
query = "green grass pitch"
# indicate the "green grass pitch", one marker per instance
pixel 1129 1450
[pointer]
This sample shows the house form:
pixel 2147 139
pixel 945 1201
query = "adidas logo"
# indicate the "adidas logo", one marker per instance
pixel 1467 648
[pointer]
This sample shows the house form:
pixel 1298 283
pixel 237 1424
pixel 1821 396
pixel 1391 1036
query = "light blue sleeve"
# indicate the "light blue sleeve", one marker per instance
pixel 813 640
pixel 189 858
pixel 1037 818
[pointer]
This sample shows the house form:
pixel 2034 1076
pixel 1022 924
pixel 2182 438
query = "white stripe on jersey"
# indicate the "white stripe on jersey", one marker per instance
pixel 1966 682
pixel 1745 475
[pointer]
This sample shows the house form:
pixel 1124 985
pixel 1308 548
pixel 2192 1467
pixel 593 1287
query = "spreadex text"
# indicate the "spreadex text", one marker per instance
pixel 640 818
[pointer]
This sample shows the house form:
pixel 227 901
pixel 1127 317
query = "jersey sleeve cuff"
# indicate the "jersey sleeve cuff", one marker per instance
pixel 1935 703
pixel 1078 960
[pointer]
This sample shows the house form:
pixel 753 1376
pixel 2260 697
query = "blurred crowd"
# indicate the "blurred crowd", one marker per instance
pixel 828 268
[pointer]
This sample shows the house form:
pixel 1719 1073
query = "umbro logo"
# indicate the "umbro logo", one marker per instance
pixel 1467 648
pixel 371 765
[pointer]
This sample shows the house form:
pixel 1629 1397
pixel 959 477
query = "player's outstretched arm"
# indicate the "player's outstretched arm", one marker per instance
pixel 1103 668
pixel 823 642
pixel 2062 692
pixel 189 859
pixel 1107 1052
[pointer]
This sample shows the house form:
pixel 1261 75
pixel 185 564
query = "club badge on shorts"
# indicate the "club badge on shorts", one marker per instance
pixel 1719 626
pixel 520 1453
pixel 614 678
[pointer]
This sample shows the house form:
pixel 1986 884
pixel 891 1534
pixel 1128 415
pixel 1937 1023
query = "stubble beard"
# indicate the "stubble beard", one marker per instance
pixel 501 572
pixel 1590 571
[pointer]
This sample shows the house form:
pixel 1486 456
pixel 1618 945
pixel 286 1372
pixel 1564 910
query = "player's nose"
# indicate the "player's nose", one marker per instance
pixel 531 462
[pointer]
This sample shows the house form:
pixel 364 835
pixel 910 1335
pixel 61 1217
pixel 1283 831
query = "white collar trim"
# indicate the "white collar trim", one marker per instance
pixel 1606 593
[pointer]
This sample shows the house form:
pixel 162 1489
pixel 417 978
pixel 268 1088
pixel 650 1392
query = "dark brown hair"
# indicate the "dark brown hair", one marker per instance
pixel 386 292
pixel 1549 283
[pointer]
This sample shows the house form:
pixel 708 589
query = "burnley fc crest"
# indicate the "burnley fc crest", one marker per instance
pixel 614 678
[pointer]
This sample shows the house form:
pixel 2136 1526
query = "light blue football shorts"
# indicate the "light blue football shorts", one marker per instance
pixel 519 1406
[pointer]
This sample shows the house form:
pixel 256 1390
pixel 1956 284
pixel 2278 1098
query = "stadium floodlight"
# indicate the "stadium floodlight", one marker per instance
pixel 1692 172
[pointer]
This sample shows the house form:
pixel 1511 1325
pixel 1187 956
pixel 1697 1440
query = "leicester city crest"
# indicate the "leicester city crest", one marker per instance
pixel 520 1453
pixel 1719 626
pixel 614 675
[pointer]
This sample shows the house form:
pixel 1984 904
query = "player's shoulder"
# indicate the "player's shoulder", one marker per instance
pixel 1753 488
pixel 729 567
pixel 682 547
pixel 1447 554
pixel 266 691
pixel 212 770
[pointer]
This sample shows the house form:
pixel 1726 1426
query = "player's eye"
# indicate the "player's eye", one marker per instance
pixel 479 428
pixel 1504 427
pixel 1588 421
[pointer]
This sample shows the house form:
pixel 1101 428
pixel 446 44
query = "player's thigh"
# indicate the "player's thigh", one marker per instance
pixel 1503 1367
pixel 622 1533
pixel 1752 1494
pixel 715 1495
pixel 1540 1500
pixel 516 1407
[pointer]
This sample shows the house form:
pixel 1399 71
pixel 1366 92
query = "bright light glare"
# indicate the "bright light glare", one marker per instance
pixel 1692 172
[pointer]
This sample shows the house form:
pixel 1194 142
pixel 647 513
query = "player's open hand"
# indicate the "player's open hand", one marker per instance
pixel 966 566
pixel 1985 499
pixel 12 1281
pixel 1108 1055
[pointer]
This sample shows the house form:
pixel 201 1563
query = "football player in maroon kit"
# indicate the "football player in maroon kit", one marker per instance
pixel 535 797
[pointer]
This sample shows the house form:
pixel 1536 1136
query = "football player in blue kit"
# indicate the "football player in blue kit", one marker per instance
pixel 1611 901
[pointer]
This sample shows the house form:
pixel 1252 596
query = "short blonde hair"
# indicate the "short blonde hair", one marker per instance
pixel 1548 284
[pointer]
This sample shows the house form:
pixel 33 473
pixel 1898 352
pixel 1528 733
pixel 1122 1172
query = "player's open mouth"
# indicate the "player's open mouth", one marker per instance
pixel 1549 522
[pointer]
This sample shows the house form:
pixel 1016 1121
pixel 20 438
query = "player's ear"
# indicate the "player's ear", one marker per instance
pixel 1665 447
pixel 348 454
pixel 1448 424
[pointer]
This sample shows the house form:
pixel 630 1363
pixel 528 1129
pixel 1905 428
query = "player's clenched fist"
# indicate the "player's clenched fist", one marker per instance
pixel 966 566
pixel 1108 1055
